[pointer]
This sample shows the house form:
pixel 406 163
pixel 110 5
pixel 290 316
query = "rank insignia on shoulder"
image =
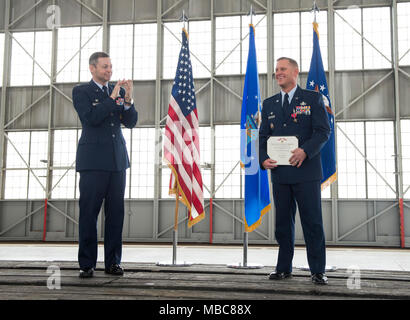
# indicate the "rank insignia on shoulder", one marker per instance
pixel 119 101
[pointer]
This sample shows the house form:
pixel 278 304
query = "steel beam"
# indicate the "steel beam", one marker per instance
pixel 6 72
pixel 331 89
pixel 398 140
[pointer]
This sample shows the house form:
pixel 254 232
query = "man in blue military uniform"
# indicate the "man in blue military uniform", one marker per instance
pixel 102 160
pixel 301 113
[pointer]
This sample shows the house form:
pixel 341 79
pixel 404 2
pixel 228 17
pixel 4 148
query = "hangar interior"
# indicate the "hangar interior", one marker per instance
pixel 44 51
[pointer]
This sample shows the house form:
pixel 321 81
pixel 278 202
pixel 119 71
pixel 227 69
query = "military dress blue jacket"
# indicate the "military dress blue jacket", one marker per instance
pixel 102 145
pixel 305 118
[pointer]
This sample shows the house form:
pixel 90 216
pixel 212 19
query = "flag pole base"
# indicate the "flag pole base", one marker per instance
pixel 327 268
pixel 174 262
pixel 244 264
pixel 240 265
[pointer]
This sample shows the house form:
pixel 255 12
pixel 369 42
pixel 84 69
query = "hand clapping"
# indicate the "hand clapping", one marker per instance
pixel 128 87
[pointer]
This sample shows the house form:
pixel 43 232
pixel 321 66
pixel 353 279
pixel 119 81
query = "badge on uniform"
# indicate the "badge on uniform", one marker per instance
pixel 95 102
pixel 272 126
pixel 119 101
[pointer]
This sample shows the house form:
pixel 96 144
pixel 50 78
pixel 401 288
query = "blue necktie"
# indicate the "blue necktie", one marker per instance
pixel 286 102
pixel 105 89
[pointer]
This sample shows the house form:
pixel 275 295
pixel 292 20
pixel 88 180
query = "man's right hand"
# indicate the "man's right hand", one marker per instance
pixel 116 91
pixel 269 164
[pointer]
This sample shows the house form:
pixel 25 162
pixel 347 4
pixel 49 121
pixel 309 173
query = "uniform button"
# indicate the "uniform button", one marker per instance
pixel 113 135
pixel 284 124
pixel 112 124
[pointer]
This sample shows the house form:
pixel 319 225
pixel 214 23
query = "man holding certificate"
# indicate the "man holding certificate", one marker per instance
pixel 294 128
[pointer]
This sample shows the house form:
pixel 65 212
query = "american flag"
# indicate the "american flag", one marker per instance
pixel 181 140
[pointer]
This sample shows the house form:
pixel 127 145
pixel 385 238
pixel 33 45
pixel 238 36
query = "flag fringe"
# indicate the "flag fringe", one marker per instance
pixel 200 217
pixel 182 197
pixel 257 223
pixel 329 181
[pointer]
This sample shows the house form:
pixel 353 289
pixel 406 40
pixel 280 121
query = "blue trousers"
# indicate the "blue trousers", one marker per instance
pixel 307 195
pixel 96 186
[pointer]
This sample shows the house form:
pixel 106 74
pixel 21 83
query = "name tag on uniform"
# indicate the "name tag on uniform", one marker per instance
pixel 272 117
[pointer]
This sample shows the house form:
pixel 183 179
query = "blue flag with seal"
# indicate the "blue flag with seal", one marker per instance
pixel 317 81
pixel 257 200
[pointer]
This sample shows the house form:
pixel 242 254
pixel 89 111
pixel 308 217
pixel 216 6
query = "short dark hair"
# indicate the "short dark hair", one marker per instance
pixel 94 57
pixel 291 61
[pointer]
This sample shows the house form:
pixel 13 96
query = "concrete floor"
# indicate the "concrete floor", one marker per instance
pixel 341 258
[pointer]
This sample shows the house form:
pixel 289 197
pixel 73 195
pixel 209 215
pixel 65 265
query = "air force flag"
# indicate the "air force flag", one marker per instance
pixel 257 201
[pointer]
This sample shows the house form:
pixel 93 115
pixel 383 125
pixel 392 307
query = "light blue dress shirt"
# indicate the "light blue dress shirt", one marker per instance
pixel 291 93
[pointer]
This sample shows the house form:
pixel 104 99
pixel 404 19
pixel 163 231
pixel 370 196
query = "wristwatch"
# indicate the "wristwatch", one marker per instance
pixel 130 102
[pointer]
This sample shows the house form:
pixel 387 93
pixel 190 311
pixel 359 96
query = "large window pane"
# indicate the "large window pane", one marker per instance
pixel 121 40
pixel 200 47
pixel 21 142
pixel 37 184
pixel 27 47
pixel 68 62
pixel 42 54
pixel 91 41
pixel 227 45
pixel 351 170
pixel 348 43
pixel 38 149
pixel 307 19
pixel 64 184
pixel 380 152
pixel 16 184
pixel 376 30
pixel 227 156
pixel 145 51
pixel 142 162
pixel 206 158
pixel 172 46
pixel 21 73
pixel 261 45
pixel 286 35
pixel 65 148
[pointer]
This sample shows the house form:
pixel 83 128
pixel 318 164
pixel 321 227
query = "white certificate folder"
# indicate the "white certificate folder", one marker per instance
pixel 280 148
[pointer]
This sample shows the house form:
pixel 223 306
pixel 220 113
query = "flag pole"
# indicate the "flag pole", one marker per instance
pixel 244 264
pixel 174 262
pixel 175 231
pixel 315 10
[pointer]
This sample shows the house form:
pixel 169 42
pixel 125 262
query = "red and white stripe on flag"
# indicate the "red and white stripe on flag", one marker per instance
pixel 181 139
pixel 181 152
